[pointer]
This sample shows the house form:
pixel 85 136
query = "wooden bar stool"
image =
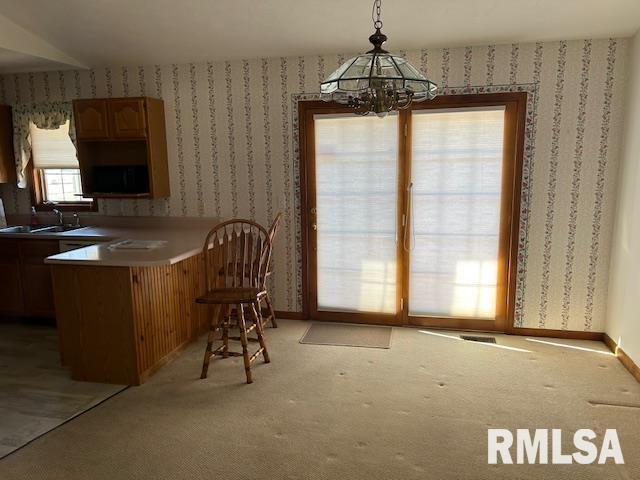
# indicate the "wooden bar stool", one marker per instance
pixel 236 255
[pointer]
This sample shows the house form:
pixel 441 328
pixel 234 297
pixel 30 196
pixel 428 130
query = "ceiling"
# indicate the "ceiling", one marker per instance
pixel 125 32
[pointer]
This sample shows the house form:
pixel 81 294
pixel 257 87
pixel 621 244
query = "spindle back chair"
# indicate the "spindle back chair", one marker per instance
pixel 236 255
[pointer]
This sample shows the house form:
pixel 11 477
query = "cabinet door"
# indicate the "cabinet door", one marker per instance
pixel 11 302
pixel 36 277
pixel 127 118
pixel 91 119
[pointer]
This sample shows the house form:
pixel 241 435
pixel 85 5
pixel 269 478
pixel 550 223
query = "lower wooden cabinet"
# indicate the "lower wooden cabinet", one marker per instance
pixel 11 301
pixel 37 289
pixel 25 280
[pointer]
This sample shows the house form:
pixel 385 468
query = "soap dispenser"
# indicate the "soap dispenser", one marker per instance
pixel 34 217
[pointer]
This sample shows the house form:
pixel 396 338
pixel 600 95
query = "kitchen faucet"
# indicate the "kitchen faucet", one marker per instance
pixel 59 214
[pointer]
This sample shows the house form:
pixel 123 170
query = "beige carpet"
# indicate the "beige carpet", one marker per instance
pixel 418 410
pixel 350 335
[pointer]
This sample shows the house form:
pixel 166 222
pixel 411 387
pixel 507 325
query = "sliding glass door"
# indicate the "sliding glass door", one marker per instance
pixel 355 216
pixel 456 175
pixel 411 219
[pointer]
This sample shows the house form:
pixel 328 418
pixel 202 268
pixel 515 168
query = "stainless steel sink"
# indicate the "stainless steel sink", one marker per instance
pixel 58 228
pixel 25 229
pixel 39 229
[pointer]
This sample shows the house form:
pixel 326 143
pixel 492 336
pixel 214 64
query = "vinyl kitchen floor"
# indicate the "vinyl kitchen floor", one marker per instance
pixel 36 392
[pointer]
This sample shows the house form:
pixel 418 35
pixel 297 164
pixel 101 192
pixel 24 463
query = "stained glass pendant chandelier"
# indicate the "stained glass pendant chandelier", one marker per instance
pixel 377 81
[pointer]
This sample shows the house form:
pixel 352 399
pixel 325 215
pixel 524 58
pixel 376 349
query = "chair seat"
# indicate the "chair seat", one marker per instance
pixel 231 295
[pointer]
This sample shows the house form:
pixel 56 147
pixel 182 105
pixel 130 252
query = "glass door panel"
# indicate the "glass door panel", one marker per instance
pixel 456 175
pixel 356 191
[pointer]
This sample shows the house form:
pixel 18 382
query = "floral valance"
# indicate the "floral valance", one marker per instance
pixel 49 116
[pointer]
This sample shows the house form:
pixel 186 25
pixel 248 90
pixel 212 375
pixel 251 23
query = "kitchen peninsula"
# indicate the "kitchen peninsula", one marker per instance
pixel 123 313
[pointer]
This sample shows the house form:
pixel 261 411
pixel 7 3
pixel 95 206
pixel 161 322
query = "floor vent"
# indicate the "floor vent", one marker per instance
pixel 472 338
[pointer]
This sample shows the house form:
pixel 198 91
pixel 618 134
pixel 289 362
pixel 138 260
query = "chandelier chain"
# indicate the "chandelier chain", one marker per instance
pixel 375 14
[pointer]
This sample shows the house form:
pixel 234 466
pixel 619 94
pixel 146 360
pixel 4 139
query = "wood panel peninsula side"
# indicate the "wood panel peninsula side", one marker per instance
pixel 122 314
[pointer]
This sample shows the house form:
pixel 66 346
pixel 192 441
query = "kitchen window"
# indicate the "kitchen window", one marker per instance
pixel 56 172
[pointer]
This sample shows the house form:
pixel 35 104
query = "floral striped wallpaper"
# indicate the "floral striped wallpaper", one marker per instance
pixel 232 152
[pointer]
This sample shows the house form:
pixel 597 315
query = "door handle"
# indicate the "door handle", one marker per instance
pixel 313 211
pixel 406 218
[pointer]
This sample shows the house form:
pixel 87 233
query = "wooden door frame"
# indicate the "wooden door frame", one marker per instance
pixel 516 103
pixel 306 111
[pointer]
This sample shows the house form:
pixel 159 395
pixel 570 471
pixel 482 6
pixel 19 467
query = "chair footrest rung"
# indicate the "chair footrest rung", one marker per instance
pixel 255 355
pixel 230 354
pixel 217 350
pixel 220 353
pixel 237 339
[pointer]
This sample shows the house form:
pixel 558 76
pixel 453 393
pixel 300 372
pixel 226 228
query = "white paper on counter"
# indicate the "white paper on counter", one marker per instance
pixel 137 244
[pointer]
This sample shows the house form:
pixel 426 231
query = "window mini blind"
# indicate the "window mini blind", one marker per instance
pixel 52 148
pixel 356 185
pixel 456 174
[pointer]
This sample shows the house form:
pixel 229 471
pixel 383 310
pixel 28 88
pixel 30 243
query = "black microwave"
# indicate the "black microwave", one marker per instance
pixel 120 179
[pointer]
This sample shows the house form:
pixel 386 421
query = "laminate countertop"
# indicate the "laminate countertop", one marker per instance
pixel 178 244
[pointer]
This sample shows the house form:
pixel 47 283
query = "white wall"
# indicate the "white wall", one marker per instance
pixel 623 310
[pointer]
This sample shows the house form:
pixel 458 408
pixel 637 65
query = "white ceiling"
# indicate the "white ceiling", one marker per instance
pixel 134 32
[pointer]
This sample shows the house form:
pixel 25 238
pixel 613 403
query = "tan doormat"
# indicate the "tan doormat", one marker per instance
pixel 348 335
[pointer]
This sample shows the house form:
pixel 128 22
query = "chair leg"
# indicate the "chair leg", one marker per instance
pixel 258 307
pixel 259 329
pixel 225 332
pixel 263 319
pixel 210 337
pixel 271 311
pixel 243 339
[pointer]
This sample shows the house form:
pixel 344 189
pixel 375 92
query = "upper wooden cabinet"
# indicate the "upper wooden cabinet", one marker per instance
pixel 112 118
pixel 7 161
pixel 127 118
pixel 91 119
pixel 122 147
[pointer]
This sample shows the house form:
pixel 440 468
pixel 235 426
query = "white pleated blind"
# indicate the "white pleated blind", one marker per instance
pixel 52 148
pixel 356 181
pixel 456 174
